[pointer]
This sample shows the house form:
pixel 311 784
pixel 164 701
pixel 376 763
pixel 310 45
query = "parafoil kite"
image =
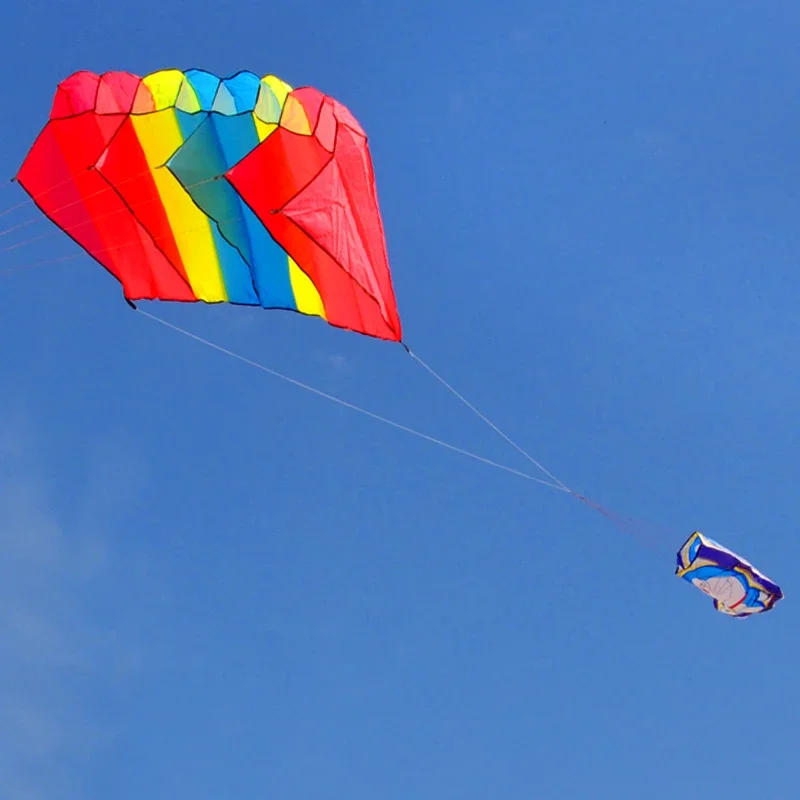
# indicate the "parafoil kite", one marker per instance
pixel 736 586
pixel 189 187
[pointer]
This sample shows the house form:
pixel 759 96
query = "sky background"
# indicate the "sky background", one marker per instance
pixel 213 584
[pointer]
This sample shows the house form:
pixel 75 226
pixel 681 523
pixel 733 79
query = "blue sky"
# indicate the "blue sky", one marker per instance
pixel 213 584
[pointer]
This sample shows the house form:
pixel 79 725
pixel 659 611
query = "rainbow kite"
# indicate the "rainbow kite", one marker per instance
pixel 242 190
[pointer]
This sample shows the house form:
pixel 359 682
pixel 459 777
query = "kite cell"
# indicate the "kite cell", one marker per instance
pixel 188 187
pixel 737 587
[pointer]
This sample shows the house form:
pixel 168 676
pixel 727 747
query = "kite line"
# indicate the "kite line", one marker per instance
pixel 639 529
pixel 625 524
pixel 560 484
pixel 347 404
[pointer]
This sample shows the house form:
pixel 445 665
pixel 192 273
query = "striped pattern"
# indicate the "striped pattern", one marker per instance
pixel 188 187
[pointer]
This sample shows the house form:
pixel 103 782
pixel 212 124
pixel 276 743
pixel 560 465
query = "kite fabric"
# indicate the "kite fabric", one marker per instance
pixel 188 187
pixel 736 586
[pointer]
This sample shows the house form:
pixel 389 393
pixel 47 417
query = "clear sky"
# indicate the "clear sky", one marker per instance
pixel 214 585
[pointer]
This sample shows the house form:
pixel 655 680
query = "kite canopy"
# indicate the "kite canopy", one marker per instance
pixel 736 586
pixel 243 190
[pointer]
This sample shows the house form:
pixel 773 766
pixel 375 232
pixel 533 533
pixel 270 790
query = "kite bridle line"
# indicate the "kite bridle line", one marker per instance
pixel 485 419
pixel 338 400
pixel 625 525
pixel 125 207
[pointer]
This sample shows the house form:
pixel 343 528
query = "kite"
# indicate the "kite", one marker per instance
pixel 737 587
pixel 242 190
pixel 188 187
